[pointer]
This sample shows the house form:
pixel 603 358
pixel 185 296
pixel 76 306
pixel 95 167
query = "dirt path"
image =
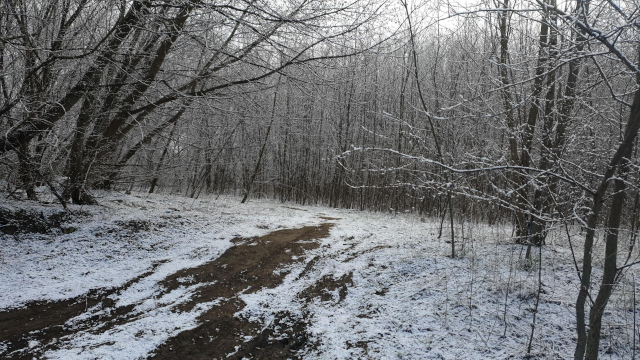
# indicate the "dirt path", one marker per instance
pixel 244 268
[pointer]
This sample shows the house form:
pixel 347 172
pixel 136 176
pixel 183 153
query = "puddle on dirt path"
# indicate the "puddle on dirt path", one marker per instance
pixel 244 268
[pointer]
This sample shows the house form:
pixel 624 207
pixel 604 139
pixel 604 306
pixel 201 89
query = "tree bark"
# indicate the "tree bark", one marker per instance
pixel 247 190
pixel 620 157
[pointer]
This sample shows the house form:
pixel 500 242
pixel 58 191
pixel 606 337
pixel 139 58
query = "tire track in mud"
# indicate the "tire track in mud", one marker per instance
pixel 244 268
pixel 43 321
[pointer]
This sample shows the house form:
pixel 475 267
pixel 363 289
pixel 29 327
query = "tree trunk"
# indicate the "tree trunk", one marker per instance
pixel 26 171
pixel 542 196
pixel 447 175
pixel 154 181
pixel 610 268
pixel 247 190
pixel 620 157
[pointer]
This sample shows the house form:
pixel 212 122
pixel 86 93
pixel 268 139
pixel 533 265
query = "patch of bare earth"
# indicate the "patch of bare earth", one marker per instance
pixel 244 268
pixel 44 322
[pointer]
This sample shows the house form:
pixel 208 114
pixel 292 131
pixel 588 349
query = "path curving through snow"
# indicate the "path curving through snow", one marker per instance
pixel 191 314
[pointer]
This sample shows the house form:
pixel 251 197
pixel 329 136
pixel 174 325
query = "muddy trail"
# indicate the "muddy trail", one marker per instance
pixel 246 267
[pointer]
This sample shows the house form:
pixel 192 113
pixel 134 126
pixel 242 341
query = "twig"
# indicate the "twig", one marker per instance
pixel 634 316
pixel 506 296
pixel 535 309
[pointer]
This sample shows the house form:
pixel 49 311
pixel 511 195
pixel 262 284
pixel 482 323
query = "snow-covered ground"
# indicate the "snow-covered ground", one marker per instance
pixel 410 301
pixel 108 248
pixel 405 298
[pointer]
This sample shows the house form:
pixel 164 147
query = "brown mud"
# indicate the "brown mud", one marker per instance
pixel 247 267
pixel 44 322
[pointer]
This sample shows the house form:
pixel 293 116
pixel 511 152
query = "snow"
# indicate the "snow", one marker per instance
pixel 136 339
pixel 56 266
pixel 407 299
pixel 101 255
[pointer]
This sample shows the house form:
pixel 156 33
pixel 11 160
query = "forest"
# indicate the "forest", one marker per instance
pixel 503 126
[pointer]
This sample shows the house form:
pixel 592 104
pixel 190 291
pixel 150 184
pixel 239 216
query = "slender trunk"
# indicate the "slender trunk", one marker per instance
pixel 523 229
pixel 535 308
pixel 26 171
pixel 154 181
pixel 621 155
pixel 503 19
pixel 610 268
pixel 78 166
pixel 431 126
pixel 444 216
pixel 208 166
pixel 542 195
pixel 247 190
